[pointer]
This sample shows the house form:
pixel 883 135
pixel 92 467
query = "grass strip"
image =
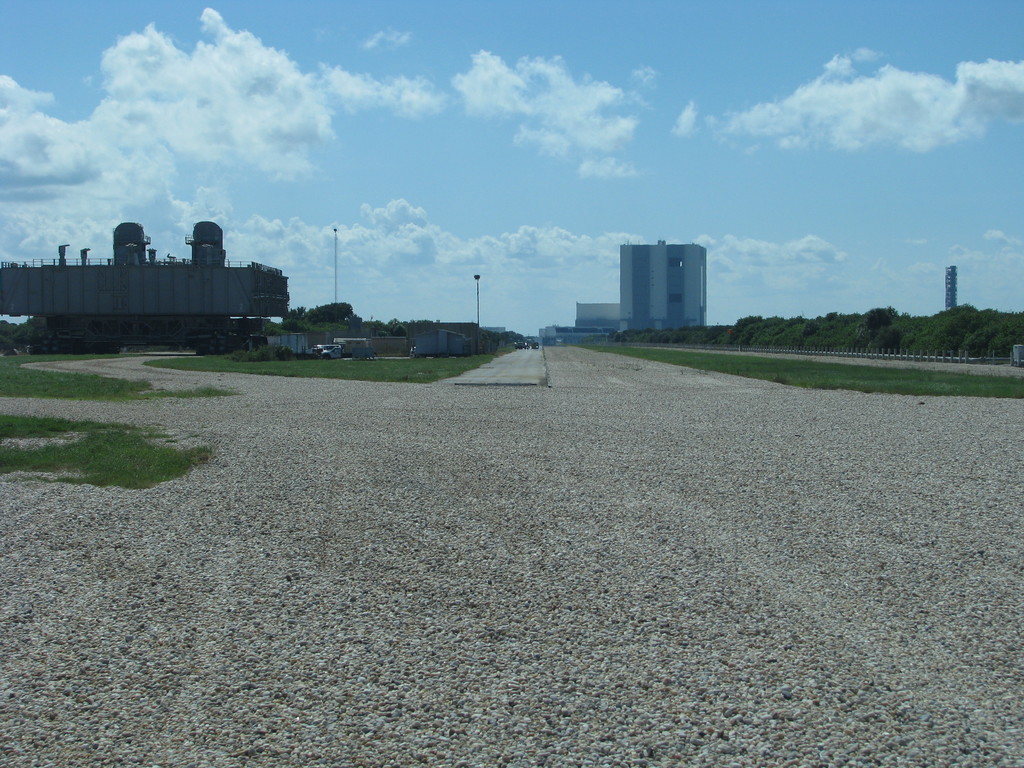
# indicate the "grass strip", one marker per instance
pixel 820 375
pixel 93 453
pixel 416 370
pixel 18 381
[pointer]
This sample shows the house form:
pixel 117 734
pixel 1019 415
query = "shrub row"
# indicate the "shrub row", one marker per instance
pixel 978 332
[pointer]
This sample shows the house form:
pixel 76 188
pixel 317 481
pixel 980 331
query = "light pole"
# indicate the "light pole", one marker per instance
pixel 477 278
pixel 335 265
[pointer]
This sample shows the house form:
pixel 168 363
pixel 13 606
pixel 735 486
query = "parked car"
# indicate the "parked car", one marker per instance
pixel 329 351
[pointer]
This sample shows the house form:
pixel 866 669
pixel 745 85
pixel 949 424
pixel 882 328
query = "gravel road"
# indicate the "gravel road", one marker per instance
pixel 641 565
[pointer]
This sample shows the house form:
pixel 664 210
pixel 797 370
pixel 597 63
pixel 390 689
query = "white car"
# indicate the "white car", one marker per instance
pixel 329 351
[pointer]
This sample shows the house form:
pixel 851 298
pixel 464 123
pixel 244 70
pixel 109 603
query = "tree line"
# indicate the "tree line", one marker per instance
pixel 329 317
pixel 978 332
pixel 335 316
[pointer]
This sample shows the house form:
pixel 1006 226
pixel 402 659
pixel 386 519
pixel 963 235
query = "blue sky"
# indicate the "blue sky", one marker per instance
pixel 830 156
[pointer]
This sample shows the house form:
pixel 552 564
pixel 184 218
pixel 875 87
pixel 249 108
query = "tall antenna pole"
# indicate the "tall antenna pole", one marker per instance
pixel 477 279
pixel 335 265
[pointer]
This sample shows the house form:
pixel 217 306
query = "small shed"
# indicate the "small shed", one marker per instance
pixel 440 343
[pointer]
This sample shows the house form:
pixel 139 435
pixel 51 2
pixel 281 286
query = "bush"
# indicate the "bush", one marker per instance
pixel 265 354
pixel 979 332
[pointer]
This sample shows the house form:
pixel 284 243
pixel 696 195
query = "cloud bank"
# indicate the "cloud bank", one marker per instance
pixel 395 262
pixel 916 111
pixel 231 101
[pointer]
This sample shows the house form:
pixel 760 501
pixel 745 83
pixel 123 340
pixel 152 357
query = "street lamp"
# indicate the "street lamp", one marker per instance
pixel 335 266
pixel 477 278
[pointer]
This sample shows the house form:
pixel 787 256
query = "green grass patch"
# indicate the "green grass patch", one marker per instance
pixel 93 453
pixel 820 375
pixel 187 393
pixel 419 369
pixel 18 381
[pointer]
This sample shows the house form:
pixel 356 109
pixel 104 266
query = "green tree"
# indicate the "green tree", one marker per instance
pixel 878 318
pixel 395 327
pixel 889 337
pixel 22 335
pixel 744 329
pixel 329 314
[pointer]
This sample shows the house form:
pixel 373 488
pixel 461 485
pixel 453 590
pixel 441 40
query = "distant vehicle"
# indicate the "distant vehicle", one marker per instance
pixel 357 348
pixel 535 345
pixel 522 345
pixel 328 351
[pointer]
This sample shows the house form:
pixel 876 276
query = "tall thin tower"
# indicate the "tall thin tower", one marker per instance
pixel 950 287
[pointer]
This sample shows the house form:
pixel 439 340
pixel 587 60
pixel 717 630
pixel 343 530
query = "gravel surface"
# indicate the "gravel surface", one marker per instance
pixel 641 565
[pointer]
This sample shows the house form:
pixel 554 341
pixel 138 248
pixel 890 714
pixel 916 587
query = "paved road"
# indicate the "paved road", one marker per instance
pixel 524 367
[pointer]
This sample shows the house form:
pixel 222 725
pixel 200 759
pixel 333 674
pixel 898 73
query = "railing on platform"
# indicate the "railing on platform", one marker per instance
pixel 158 264
pixel 916 356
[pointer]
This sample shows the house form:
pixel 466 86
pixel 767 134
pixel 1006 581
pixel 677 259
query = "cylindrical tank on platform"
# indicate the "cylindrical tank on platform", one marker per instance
pixel 207 243
pixel 130 243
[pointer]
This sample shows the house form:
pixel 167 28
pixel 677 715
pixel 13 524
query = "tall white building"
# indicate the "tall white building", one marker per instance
pixel 662 286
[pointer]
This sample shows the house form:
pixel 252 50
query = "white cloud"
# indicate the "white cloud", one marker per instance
pixel 387 38
pixel 38 152
pixel 207 204
pixel 866 54
pixel 231 100
pixel 796 265
pixel 393 216
pixel 14 98
pixel 998 234
pixel 912 110
pixel 560 114
pixel 1007 261
pixel 43 158
pixel 491 88
pixel 686 122
pixel 992 90
pixel 644 76
pixel 606 168
pixel 407 97
pixel 237 100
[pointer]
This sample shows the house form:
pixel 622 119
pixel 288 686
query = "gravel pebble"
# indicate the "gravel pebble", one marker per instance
pixel 641 565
